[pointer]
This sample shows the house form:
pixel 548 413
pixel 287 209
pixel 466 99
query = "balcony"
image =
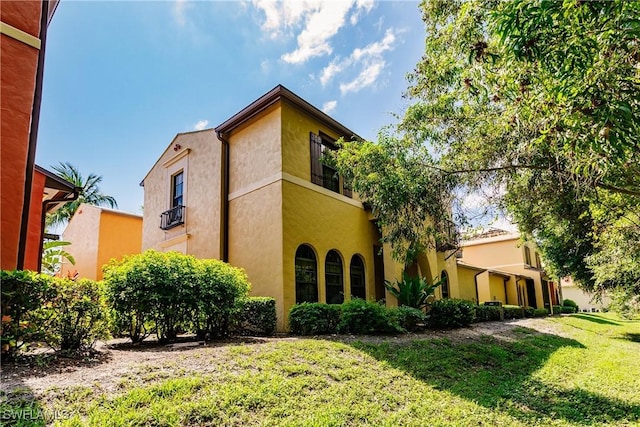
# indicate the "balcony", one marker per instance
pixel 448 238
pixel 172 218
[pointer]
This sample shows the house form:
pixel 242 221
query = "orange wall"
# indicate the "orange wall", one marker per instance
pixel 120 235
pixel 34 233
pixel 18 62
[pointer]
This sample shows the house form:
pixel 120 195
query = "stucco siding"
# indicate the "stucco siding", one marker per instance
pixel 83 232
pixel 120 235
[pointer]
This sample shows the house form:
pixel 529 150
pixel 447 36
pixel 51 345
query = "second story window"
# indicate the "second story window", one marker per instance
pixel 527 255
pixel 177 189
pixel 322 174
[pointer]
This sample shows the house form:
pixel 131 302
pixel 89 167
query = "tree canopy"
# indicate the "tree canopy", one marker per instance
pixel 540 99
pixel 89 194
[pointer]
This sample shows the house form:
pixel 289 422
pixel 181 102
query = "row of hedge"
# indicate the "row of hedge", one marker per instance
pixel 151 293
pixel 364 317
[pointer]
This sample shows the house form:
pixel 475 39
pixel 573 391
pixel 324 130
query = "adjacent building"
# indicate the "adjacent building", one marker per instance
pixel 97 235
pixel 254 192
pixel 499 266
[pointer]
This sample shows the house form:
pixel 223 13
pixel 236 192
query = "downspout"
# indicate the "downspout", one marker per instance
pixel 33 139
pixel 506 295
pixel 475 280
pixel 225 197
pixel 43 219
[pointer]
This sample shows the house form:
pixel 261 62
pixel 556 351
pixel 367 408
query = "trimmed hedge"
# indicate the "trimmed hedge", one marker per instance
pixel 557 309
pixel 513 312
pixel 486 313
pixel 540 312
pixel 568 310
pixel 257 316
pixel 451 313
pixel 408 318
pixel 366 317
pixel 314 318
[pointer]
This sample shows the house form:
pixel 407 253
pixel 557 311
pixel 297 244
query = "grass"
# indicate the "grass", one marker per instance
pixel 588 376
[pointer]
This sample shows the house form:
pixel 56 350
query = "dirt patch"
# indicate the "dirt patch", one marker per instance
pixel 116 361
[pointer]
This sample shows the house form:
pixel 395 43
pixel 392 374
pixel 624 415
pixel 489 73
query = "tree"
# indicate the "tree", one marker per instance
pixel 540 97
pixel 89 194
pixel 53 256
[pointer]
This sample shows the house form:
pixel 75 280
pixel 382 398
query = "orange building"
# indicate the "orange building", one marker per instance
pixel 23 29
pixel 97 235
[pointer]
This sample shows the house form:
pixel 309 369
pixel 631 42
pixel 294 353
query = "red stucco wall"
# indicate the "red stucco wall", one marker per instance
pixel 18 63
pixel 34 235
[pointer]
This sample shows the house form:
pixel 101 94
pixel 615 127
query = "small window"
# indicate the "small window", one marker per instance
pixel 306 275
pixel 177 189
pixel 356 270
pixel 538 262
pixel 333 278
pixel 527 255
pixel 444 287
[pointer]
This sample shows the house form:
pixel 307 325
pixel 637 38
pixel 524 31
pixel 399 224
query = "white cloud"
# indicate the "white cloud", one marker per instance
pixel 370 58
pixel 179 12
pixel 329 106
pixel 201 125
pixel 315 21
pixel 367 77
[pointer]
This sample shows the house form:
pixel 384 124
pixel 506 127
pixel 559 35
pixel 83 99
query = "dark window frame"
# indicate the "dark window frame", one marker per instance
pixel 322 174
pixel 358 274
pixel 306 274
pixel 444 287
pixel 334 277
pixel 177 189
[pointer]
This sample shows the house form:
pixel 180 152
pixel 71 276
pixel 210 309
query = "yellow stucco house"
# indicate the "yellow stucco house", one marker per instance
pixel 253 192
pixel 97 235
pixel 498 266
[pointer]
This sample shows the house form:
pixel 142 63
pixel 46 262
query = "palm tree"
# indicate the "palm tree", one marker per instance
pixel 89 194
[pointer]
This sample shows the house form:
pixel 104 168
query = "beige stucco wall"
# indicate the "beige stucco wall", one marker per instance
pixel 83 232
pixel 199 156
pixel 504 253
pixel 466 282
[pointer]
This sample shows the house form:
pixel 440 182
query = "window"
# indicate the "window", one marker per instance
pixel 538 262
pixel 444 287
pixel 177 189
pixel 333 278
pixel 322 174
pixel 356 270
pixel 306 275
pixel 527 255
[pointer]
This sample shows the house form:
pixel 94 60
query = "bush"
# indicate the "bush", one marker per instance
pixel 451 313
pixel 513 312
pixel 408 318
pixel 528 312
pixel 486 313
pixel 170 292
pixel 257 316
pixel 413 291
pixel 366 317
pixel 568 310
pixel 24 293
pixel 314 318
pixel 67 315
pixel 540 312
pixel 78 315
pixel 557 309
pixel 569 303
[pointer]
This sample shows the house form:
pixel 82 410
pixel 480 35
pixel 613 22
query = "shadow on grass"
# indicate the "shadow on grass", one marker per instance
pixel 186 342
pixel 595 318
pixel 498 374
pixel 631 337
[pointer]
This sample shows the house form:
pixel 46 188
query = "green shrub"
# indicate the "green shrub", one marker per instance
pixel 77 315
pixel 451 313
pixel 408 318
pixel 24 293
pixel 513 312
pixel 366 317
pixel 219 291
pixel 540 312
pixel 570 303
pixel 529 311
pixel 568 310
pixel 557 309
pixel 412 291
pixel 314 318
pixel 170 292
pixel 486 313
pixel 257 316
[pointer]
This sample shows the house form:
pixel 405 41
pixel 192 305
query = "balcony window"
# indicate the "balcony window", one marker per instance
pixel 322 174
pixel 177 189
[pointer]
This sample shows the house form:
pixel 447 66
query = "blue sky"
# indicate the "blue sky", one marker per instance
pixel 122 78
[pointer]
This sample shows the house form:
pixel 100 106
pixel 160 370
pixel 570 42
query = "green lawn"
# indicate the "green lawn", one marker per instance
pixel 589 376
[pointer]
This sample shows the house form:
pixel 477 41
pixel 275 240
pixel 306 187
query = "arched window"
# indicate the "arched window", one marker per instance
pixel 357 277
pixel 445 284
pixel 527 255
pixel 306 275
pixel 333 278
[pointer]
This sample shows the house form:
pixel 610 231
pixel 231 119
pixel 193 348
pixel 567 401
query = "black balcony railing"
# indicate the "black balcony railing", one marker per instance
pixel 172 218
